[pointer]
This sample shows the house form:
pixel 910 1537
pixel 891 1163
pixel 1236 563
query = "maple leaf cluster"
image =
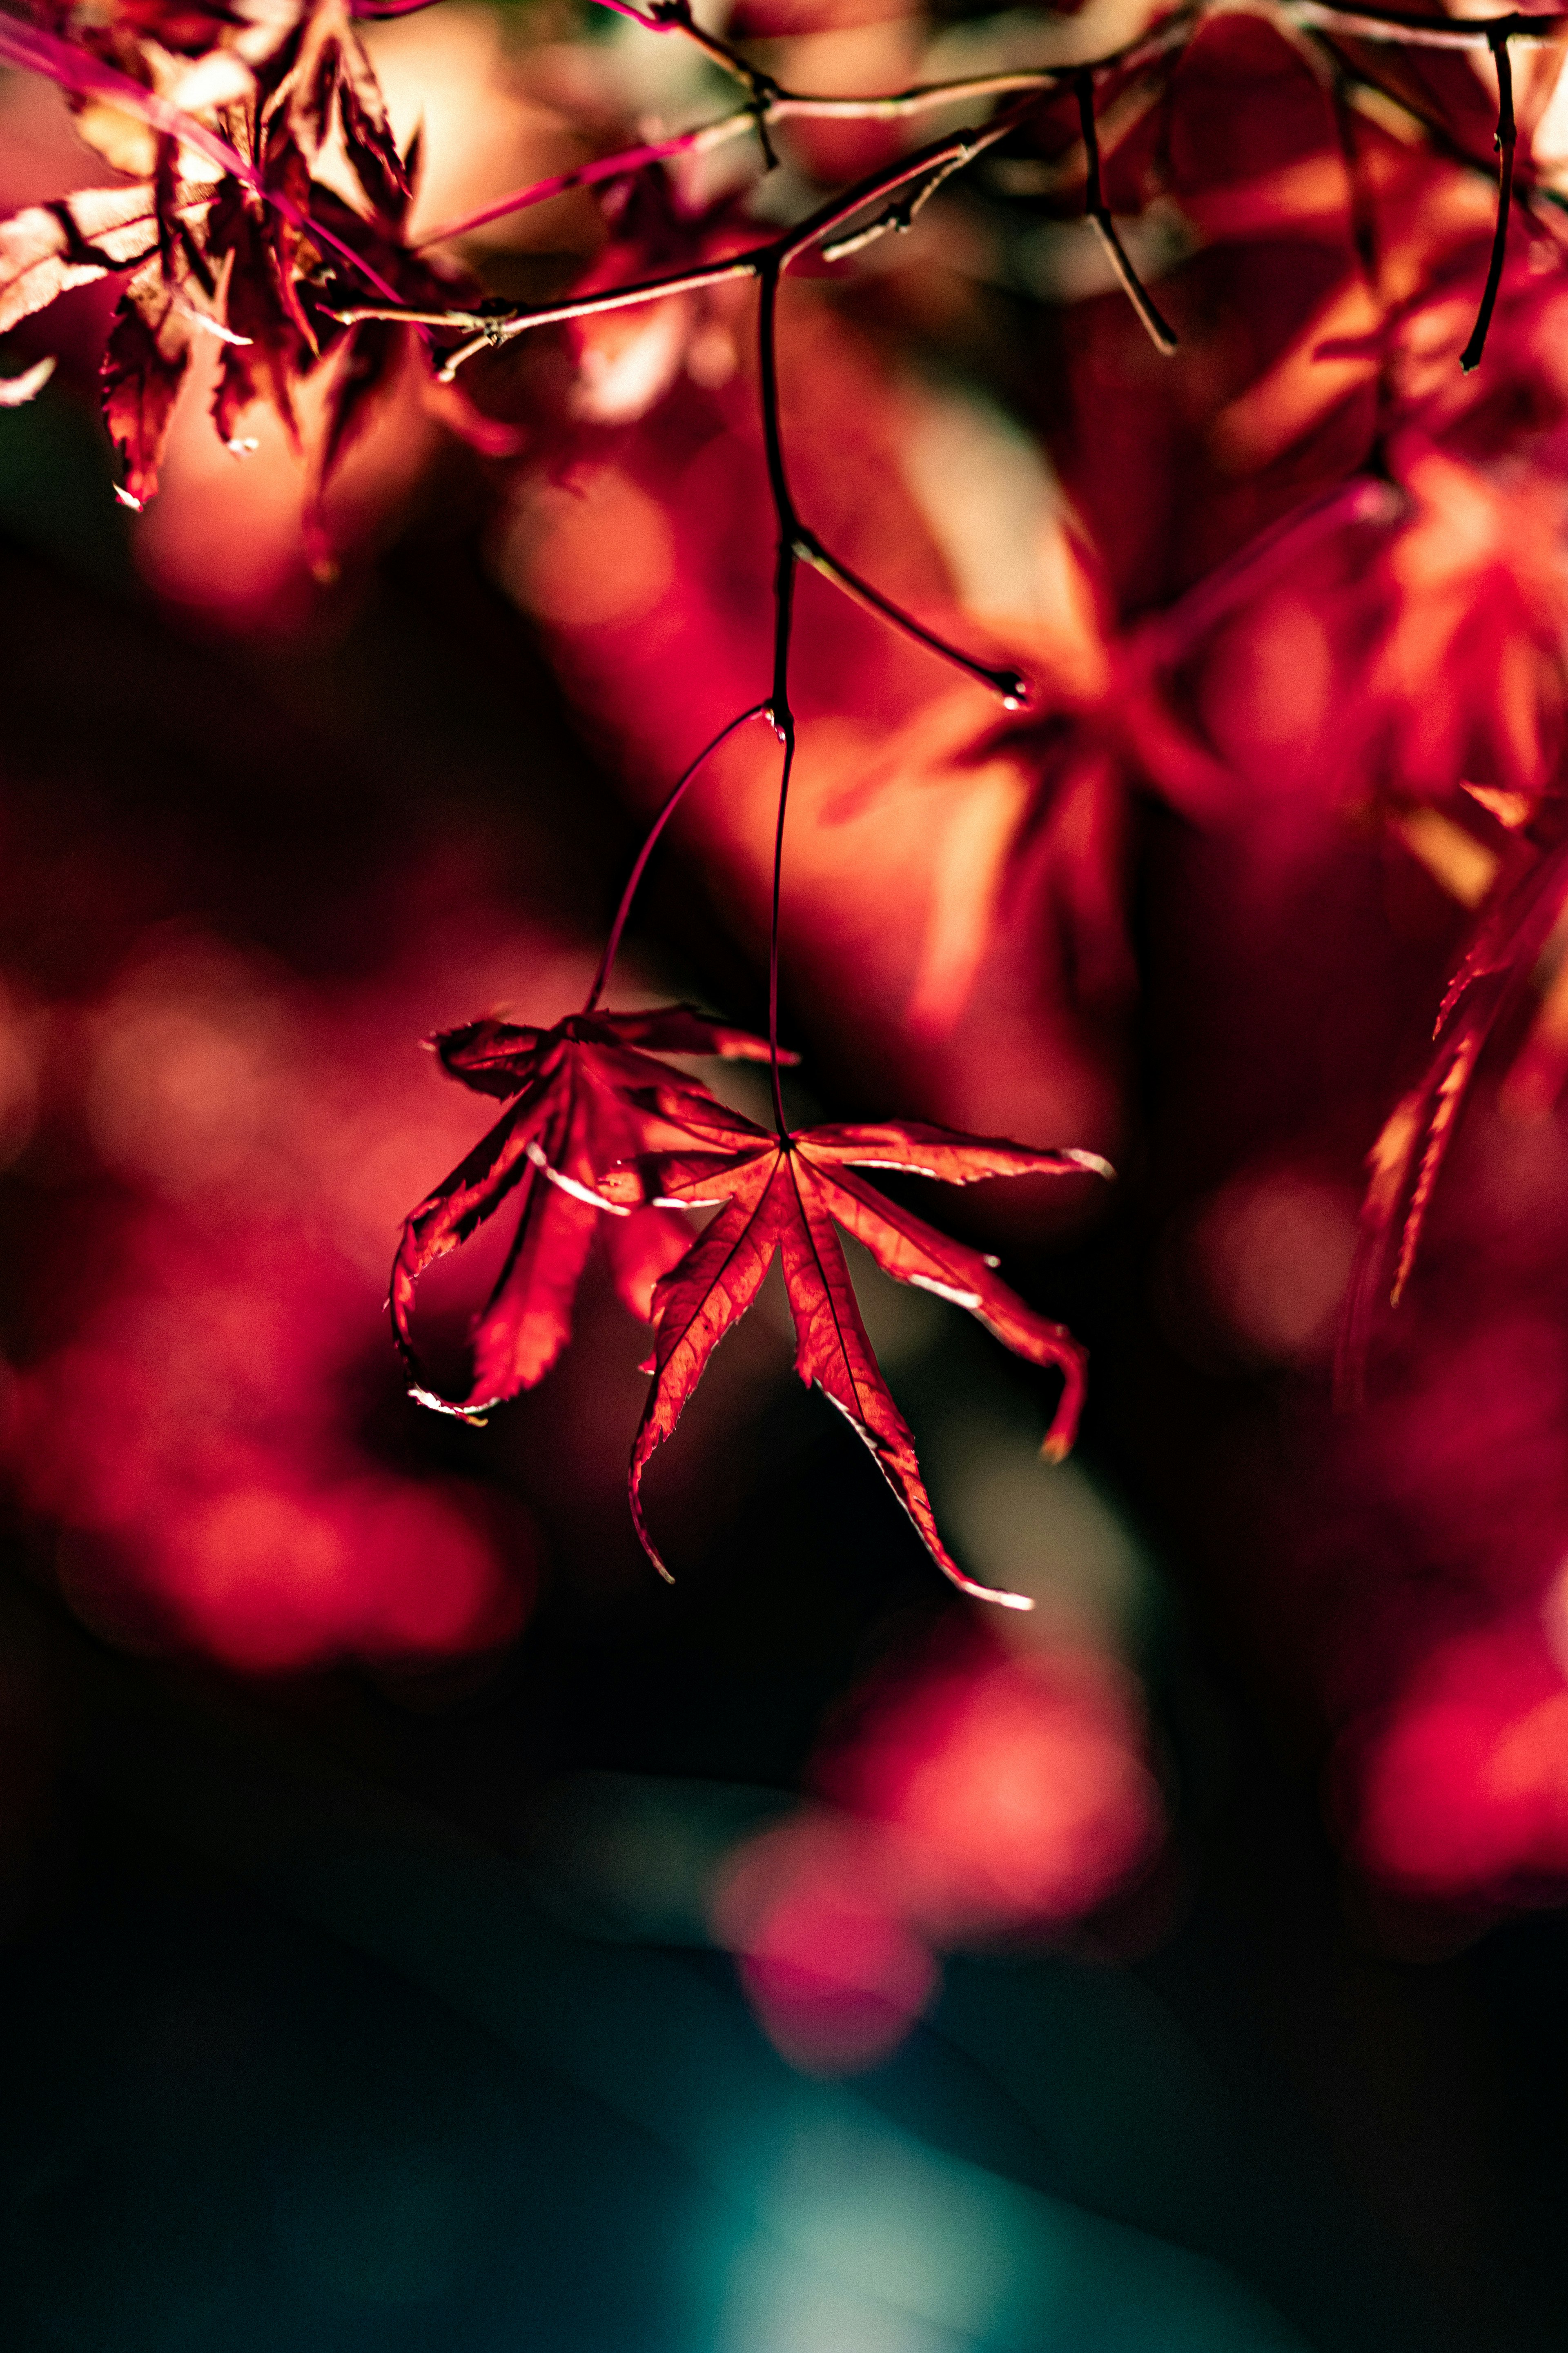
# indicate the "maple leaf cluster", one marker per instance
pixel 601 1136
pixel 266 190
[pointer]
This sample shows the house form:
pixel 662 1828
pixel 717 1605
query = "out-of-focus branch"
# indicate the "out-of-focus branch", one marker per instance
pixel 1426 32
pixel 488 330
pixel 1470 357
pixel 1160 333
pixel 772 103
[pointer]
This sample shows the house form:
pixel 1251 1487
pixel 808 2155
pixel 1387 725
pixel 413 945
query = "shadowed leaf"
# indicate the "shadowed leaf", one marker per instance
pixel 583 1097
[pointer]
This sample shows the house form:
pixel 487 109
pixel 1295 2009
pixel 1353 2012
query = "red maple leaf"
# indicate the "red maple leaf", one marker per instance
pixel 583 1094
pixel 1505 960
pixel 786 1195
pixel 229 230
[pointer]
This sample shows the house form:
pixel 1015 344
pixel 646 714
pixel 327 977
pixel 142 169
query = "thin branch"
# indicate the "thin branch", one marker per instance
pixel 676 17
pixel 785 566
pixel 618 166
pixel 942 155
pixel 802 106
pixel 796 545
pixel 1470 357
pixel 768 264
pixel 898 219
pixel 771 103
pixel 1160 333
pixel 786 737
pixel 673 802
pixel 1424 32
pixel 490 330
pixel 1006 681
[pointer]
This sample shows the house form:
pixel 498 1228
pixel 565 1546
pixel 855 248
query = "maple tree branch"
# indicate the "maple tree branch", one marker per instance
pixel 796 543
pixel 676 17
pixel 1160 333
pixel 899 218
pixel 672 801
pixel 493 329
pixel 621 166
pixel 1424 32
pixel 490 329
pixel 786 737
pixel 785 567
pixel 1470 357
pixel 1012 686
pixel 782 105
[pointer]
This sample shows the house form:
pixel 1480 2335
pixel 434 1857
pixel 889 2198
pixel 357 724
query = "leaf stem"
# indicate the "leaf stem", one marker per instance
pixel 786 566
pixel 1498 40
pixel 650 843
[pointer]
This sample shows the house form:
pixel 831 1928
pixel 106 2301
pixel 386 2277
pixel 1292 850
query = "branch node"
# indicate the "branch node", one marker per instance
pixel 1161 334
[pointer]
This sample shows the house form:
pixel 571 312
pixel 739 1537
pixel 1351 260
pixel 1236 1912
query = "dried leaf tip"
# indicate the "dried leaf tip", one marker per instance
pixel 16 391
pixel 435 1404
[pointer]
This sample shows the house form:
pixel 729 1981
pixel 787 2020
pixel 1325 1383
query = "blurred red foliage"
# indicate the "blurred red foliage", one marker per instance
pixel 190 1419
pixel 1292 605
pixel 978 1796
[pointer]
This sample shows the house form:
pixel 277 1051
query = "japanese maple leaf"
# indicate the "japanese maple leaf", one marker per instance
pixel 582 1093
pixel 786 1195
pixel 229 232
pixel 1505 960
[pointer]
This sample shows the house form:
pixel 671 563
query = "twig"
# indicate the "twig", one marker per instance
pixel 1470 357
pixel 797 543
pixel 802 106
pixel 1161 334
pixel 672 801
pixel 1424 32
pixel 785 564
pixel 618 166
pixel 898 219
pixel 488 330
pixel 1012 688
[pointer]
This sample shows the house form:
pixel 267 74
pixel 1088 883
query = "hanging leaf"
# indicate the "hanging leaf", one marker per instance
pixel 785 1196
pixel 579 1107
